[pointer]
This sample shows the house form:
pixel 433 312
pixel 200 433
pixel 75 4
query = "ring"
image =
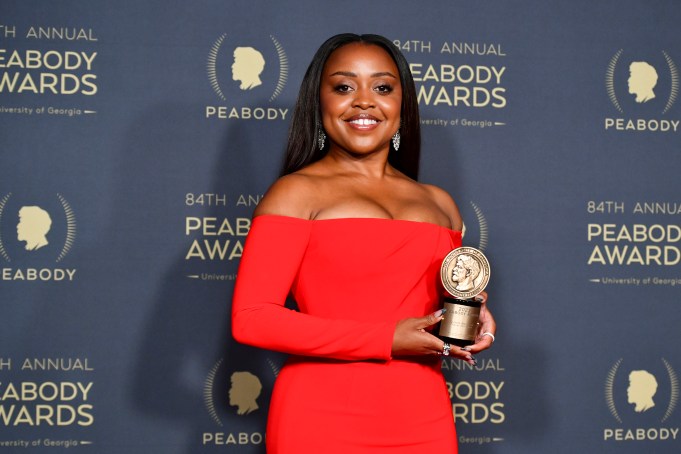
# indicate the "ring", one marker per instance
pixel 446 348
pixel 487 333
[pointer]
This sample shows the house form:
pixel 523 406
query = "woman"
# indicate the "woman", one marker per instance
pixel 359 243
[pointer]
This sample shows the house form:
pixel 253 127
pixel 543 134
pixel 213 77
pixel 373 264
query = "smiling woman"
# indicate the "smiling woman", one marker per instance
pixel 358 242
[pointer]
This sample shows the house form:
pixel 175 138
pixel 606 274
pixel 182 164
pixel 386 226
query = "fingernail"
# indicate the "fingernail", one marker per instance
pixel 466 349
pixel 479 299
pixel 441 312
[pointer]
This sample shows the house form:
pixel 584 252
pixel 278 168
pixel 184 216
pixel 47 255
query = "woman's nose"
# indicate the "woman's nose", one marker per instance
pixel 364 99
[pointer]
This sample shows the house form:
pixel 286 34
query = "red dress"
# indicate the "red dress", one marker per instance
pixel 353 279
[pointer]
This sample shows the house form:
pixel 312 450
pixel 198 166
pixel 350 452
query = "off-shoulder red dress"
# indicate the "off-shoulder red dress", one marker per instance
pixel 353 279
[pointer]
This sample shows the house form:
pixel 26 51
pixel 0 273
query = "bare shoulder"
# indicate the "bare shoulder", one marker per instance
pixel 291 195
pixel 445 203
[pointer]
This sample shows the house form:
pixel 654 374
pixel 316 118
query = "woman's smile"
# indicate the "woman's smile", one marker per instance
pixel 363 122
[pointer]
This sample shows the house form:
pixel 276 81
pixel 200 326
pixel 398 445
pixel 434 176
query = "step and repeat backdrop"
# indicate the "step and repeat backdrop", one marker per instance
pixel 136 139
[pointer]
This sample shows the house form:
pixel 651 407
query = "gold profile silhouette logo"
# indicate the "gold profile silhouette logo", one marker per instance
pixel 642 81
pixel 244 392
pixel 33 225
pixel 246 64
pixel 247 67
pixel 245 388
pixel 642 389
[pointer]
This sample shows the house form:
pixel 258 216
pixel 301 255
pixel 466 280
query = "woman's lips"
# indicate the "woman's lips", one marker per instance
pixel 363 122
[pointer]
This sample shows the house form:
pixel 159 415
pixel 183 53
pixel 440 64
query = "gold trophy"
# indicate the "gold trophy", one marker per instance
pixel 464 273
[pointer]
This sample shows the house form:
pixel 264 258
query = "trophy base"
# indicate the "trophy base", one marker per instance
pixel 459 325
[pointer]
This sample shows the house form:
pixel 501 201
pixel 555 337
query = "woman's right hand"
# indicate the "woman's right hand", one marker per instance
pixel 412 339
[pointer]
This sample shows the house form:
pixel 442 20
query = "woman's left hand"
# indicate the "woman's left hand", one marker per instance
pixel 486 326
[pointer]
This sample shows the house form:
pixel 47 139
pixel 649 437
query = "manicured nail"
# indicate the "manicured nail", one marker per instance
pixel 466 349
pixel 479 299
pixel 440 313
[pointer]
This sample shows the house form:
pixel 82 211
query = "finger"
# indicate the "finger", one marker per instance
pixel 466 354
pixel 437 346
pixel 481 297
pixel 462 353
pixel 483 343
pixel 431 319
pixel 447 349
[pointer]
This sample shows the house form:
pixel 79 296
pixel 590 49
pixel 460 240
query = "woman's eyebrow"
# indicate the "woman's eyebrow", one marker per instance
pixel 351 74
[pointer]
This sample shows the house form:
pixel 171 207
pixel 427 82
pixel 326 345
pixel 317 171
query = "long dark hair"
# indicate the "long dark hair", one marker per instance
pixel 302 148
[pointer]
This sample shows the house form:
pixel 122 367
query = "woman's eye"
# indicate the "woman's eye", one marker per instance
pixel 342 88
pixel 384 88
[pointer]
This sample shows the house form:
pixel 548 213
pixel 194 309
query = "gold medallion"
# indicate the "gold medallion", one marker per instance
pixel 465 272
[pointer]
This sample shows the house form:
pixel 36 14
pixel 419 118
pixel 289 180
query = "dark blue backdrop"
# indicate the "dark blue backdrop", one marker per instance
pixel 121 121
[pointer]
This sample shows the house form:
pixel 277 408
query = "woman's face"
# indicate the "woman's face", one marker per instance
pixel 360 96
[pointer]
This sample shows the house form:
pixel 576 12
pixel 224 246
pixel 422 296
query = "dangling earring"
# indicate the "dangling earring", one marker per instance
pixel 321 137
pixel 396 140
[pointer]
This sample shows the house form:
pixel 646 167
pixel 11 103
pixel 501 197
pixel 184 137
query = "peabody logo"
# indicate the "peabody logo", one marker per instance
pixel 34 232
pixel 242 405
pixel 646 85
pixel 645 396
pixel 240 70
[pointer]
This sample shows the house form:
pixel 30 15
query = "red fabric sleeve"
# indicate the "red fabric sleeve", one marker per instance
pixel 274 249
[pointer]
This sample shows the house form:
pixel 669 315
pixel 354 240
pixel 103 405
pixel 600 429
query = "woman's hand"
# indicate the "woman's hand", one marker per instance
pixel 486 326
pixel 411 339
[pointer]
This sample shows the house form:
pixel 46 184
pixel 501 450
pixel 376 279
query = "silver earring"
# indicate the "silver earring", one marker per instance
pixel 321 138
pixel 396 141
